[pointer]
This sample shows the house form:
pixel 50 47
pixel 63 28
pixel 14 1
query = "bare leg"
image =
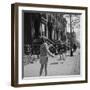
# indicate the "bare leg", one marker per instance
pixel 41 69
pixel 63 56
pixel 46 69
pixel 60 56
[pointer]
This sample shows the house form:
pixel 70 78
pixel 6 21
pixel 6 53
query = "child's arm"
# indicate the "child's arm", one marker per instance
pixel 51 54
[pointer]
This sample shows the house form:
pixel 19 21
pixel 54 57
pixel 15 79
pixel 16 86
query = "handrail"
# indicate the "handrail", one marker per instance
pixel 51 41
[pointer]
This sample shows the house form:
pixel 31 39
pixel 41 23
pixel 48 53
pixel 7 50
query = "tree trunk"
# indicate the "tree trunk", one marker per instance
pixel 71 52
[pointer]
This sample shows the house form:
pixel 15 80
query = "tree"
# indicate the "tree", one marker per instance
pixel 58 24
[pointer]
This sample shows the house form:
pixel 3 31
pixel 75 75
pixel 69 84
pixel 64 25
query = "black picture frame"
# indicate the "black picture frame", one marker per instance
pixel 15 41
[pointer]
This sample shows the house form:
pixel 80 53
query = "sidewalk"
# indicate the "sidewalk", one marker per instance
pixel 71 66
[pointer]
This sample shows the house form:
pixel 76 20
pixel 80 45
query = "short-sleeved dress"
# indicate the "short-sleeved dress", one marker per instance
pixel 43 54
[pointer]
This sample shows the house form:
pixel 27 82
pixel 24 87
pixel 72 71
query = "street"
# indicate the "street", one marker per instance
pixel 56 67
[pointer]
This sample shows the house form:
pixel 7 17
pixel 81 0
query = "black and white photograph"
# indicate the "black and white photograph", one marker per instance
pixel 50 44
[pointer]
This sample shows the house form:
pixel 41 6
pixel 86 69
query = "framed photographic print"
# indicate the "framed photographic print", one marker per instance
pixel 48 44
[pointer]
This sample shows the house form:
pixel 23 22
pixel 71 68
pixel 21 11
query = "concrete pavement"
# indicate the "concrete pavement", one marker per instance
pixel 56 67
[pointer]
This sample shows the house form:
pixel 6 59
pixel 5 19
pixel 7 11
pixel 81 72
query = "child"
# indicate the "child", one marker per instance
pixel 44 51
